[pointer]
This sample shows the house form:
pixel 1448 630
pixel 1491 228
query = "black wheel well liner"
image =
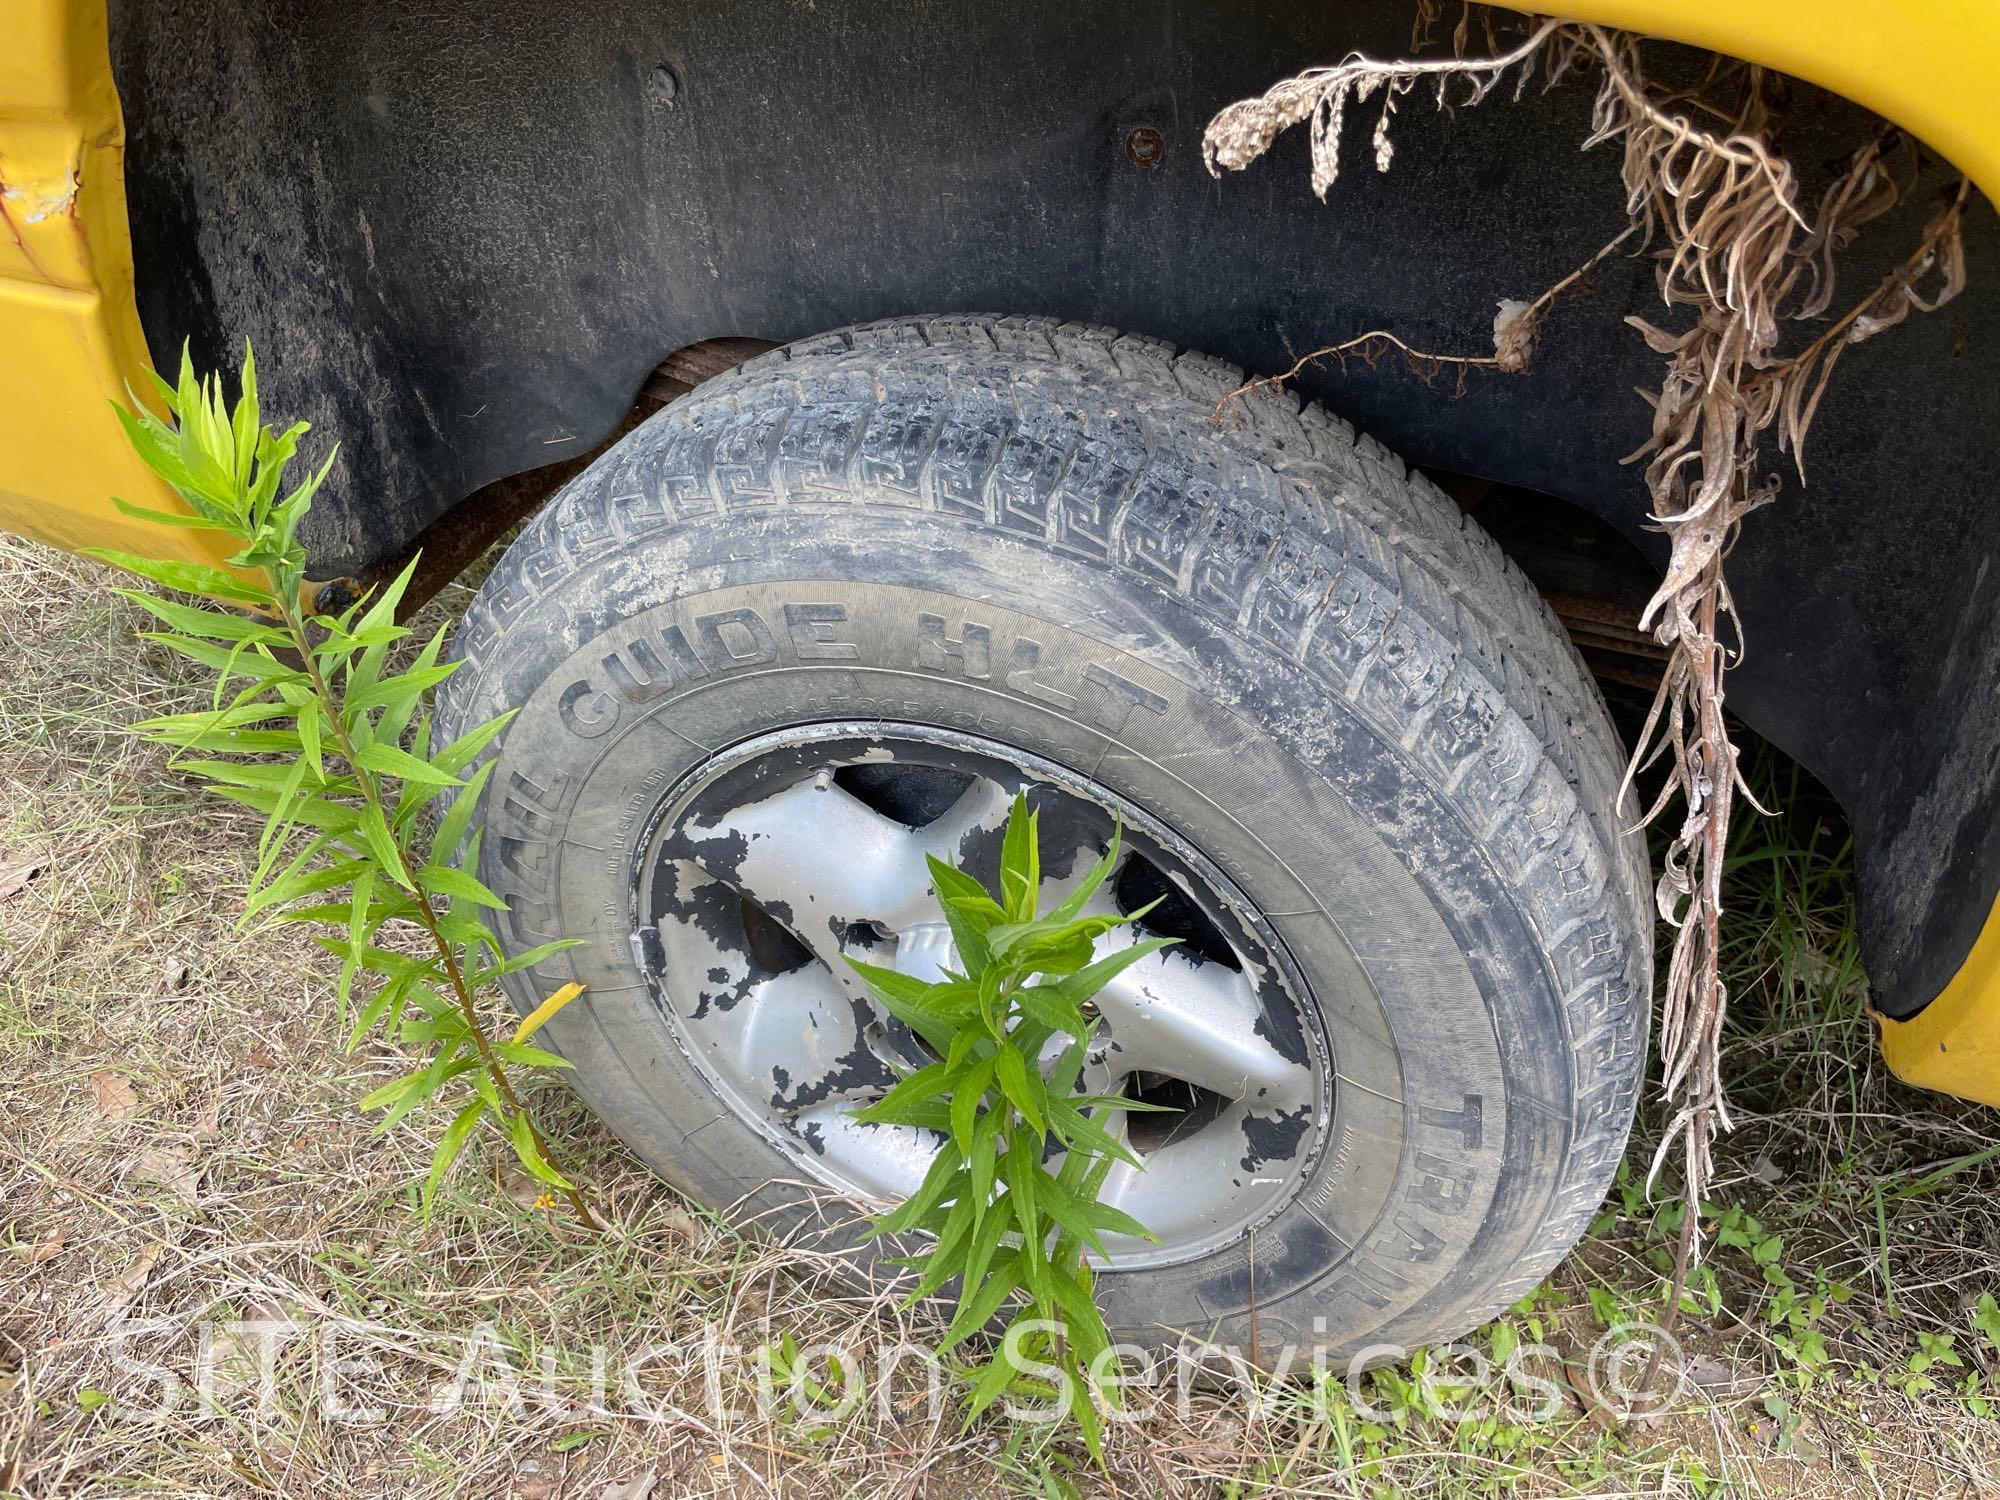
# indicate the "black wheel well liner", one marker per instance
pixel 461 236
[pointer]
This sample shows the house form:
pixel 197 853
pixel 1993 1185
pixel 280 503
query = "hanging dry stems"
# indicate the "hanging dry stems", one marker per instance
pixel 1735 246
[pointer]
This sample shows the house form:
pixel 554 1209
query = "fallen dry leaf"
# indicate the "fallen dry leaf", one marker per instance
pixel 171 1167
pixel 115 1099
pixel 518 1187
pixel 119 1290
pixel 14 878
pixel 44 1248
pixel 1719 1378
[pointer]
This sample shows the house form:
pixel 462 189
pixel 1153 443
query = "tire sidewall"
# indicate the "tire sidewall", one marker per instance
pixel 1451 1106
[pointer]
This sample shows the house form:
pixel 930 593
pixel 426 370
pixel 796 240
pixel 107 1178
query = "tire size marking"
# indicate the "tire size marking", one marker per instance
pixel 651 667
pixel 1108 698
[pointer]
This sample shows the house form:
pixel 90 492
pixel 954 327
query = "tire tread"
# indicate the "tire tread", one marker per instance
pixel 1270 515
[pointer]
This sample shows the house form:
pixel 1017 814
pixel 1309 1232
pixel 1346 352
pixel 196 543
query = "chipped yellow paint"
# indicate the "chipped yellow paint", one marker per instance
pixel 70 341
pixel 69 329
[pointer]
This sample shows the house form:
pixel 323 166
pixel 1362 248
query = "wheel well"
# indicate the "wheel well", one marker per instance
pixel 467 274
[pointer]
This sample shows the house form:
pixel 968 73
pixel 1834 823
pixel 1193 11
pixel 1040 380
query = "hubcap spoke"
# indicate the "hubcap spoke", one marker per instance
pixel 1223 1153
pixel 884 1162
pixel 822 861
pixel 1178 1013
pixel 801 1034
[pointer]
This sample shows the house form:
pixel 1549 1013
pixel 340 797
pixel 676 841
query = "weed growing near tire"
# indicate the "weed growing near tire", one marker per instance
pixel 323 740
pixel 1003 1222
pixel 318 738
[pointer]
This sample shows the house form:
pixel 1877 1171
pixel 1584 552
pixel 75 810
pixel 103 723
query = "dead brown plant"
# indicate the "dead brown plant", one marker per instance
pixel 1739 253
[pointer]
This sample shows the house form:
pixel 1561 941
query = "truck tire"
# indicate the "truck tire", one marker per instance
pixel 829 610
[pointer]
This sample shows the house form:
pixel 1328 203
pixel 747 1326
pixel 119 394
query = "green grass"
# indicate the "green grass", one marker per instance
pixel 1854 1231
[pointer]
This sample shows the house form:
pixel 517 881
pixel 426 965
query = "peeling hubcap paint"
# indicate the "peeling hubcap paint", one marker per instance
pixel 777 859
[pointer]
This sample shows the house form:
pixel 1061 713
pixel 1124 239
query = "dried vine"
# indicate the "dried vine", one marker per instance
pixel 1736 248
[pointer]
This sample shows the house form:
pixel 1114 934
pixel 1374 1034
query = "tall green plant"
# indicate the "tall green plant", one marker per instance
pixel 1007 1214
pixel 331 746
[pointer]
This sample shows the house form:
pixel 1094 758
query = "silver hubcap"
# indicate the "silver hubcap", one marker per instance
pixel 777 859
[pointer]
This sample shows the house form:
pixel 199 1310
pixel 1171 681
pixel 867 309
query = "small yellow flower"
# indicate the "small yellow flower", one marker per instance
pixel 545 1200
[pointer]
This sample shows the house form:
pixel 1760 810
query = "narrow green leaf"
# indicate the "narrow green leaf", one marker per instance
pixel 258 775
pixel 390 1092
pixel 179 519
pixel 283 892
pixel 943 1261
pixel 1073 904
pixel 1064 1209
pixel 961 1049
pixel 1023 1171
pixel 968 910
pixel 382 844
pixel 217 624
pixel 1077 1128
pixel 987 1284
pixel 1020 861
pixel 187 577
pixel 527 958
pixel 357 932
pixel 983 1161
pixel 170 728
pixel 938 1180
pixel 996 1378
pixel 891 984
pixel 462 751
pixel 449 1145
pixel 1050 1007
pixel 383 610
pixel 311 723
pixel 966 1100
pixel 451 829
pixel 440 1072
pixel 1087 981
pixel 239 742
pixel 387 760
pixel 446 880
pixel 385 1007
pixel 399 706
pixel 911 1001
pixel 1116 1220
pixel 1083 1411
pixel 246 422
pixel 243 659
pixel 924 1084
pixel 521 1131
pixel 1022 1088
pixel 311 811
pixel 403 686
pixel 526 1056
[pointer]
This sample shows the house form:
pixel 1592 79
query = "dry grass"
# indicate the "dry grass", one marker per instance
pixel 177 1144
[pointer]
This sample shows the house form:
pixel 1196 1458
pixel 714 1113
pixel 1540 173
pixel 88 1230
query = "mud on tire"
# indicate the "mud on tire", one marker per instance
pixel 1267 633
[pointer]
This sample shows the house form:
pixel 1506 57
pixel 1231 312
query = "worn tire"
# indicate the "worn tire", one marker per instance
pixel 1356 706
